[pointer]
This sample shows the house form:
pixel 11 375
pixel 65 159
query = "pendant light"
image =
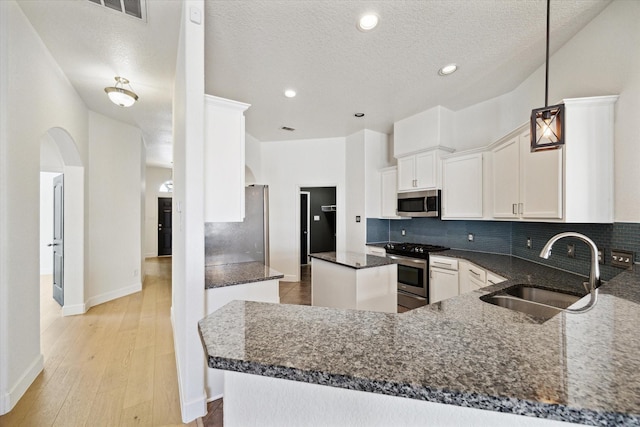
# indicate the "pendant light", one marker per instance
pixel 547 123
pixel 121 96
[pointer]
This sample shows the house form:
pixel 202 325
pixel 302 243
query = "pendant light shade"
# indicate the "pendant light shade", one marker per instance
pixel 547 123
pixel 119 95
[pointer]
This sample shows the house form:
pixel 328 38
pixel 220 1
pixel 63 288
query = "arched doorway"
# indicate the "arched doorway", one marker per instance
pixel 59 153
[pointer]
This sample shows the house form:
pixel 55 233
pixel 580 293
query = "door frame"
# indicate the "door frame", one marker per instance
pixel 308 194
pixel 340 246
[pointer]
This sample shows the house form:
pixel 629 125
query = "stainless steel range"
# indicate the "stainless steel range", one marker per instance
pixel 413 271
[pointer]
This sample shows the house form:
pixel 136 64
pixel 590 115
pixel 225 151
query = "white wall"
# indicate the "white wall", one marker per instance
pixel 40 97
pixel 115 235
pixel 355 232
pixel 287 166
pixel 602 59
pixel 253 160
pixel 188 213
pixel 46 221
pixel 155 176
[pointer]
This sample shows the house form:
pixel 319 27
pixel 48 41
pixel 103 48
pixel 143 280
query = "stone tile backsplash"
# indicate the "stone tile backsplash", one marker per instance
pixel 511 238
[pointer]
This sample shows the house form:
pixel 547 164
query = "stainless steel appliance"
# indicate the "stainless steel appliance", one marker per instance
pixel 413 271
pixel 419 203
pixel 236 242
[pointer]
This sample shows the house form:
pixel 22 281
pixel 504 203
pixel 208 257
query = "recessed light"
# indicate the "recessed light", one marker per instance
pixel 289 93
pixel 368 22
pixel 359 115
pixel 448 69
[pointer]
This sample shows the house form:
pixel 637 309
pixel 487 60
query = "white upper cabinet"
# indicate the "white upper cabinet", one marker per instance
pixel 526 184
pixel 389 193
pixel 421 171
pixel 462 183
pixel 571 184
pixel 224 161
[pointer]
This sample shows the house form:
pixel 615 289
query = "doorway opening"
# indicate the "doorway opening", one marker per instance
pixel 317 223
pixel 164 225
pixel 62 220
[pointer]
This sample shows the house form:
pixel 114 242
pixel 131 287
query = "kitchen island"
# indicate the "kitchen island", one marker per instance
pixel 354 280
pixel 457 362
pixel 245 281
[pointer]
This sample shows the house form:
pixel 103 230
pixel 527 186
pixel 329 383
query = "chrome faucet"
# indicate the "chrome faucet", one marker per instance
pixel 594 273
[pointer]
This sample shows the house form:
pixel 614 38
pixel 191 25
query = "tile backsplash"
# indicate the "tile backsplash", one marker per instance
pixel 507 237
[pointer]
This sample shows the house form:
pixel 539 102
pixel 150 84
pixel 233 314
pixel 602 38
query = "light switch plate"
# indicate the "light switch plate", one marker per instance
pixel 316 217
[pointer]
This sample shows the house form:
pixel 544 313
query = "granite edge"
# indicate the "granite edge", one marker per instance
pixel 243 281
pixel 322 257
pixel 505 404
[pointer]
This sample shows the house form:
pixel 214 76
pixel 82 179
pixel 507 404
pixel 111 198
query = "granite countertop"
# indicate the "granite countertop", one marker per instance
pixel 217 276
pixel 355 260
pixel 581 368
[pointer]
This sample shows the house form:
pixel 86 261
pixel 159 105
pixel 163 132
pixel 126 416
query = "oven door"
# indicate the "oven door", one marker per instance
pixel 413 278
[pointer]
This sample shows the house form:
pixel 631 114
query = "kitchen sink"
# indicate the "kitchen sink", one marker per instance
pixel 534 301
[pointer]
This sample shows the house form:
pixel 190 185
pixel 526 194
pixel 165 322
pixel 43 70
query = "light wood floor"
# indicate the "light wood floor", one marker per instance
pixel 113 366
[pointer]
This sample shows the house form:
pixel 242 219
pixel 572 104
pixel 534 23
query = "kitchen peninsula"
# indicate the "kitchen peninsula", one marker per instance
pixel 354 280
pixel 460 360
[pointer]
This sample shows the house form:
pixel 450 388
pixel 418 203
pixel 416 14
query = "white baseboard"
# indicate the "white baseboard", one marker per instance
pixel 9 400
pixel 111 295
pixel 193 409
pixel 289 278
pixel 75 309
pixel 150 255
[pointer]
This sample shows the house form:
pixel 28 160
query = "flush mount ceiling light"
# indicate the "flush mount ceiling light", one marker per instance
pixel 289 93
pixel 368 22
pixel 448 69
pixel 121 96
pixel 547 123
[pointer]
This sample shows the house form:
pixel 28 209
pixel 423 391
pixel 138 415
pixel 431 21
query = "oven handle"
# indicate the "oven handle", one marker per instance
pixel 408 260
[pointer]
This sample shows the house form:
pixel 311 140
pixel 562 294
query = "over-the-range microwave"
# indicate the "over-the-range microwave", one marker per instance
pixel 419 203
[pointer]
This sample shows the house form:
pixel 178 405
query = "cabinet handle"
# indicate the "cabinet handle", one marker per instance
pixel 491 282
pixel 474 273
pixel 514 208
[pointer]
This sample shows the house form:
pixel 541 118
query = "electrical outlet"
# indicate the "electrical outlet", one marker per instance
pixel 600 256
pixel 470 237
pixel 571 250
pixel 622 259
pixel 528 242
pixel 404 233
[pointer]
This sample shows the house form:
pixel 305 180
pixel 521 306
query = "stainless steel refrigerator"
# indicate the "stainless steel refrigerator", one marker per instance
pixel 235 242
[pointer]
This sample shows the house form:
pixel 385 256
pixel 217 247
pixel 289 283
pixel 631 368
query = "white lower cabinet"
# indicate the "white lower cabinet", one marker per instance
pixel 443 278
pixel 473 277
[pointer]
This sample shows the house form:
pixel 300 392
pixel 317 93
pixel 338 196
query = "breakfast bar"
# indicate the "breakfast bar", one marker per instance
pixel 457 355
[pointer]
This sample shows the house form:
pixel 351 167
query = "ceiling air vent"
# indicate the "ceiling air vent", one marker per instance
pixel 287 128
pixel 134 8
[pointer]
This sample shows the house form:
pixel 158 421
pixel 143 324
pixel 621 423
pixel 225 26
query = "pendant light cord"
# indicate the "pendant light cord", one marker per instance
pixel 546 75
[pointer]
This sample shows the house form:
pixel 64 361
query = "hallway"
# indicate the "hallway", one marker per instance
pixel 114 365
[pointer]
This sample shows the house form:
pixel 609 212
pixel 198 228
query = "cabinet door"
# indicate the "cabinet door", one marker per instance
pixel 493 278
pixel 506 179
pixel 406 173
pixel 540 181
pixel 389 193
pixel 462 187
pixel 472 277
pixel 443 285
pixel 426 170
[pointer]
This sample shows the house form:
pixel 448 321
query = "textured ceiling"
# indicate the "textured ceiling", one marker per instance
pixel 93 44
pixel 257 48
